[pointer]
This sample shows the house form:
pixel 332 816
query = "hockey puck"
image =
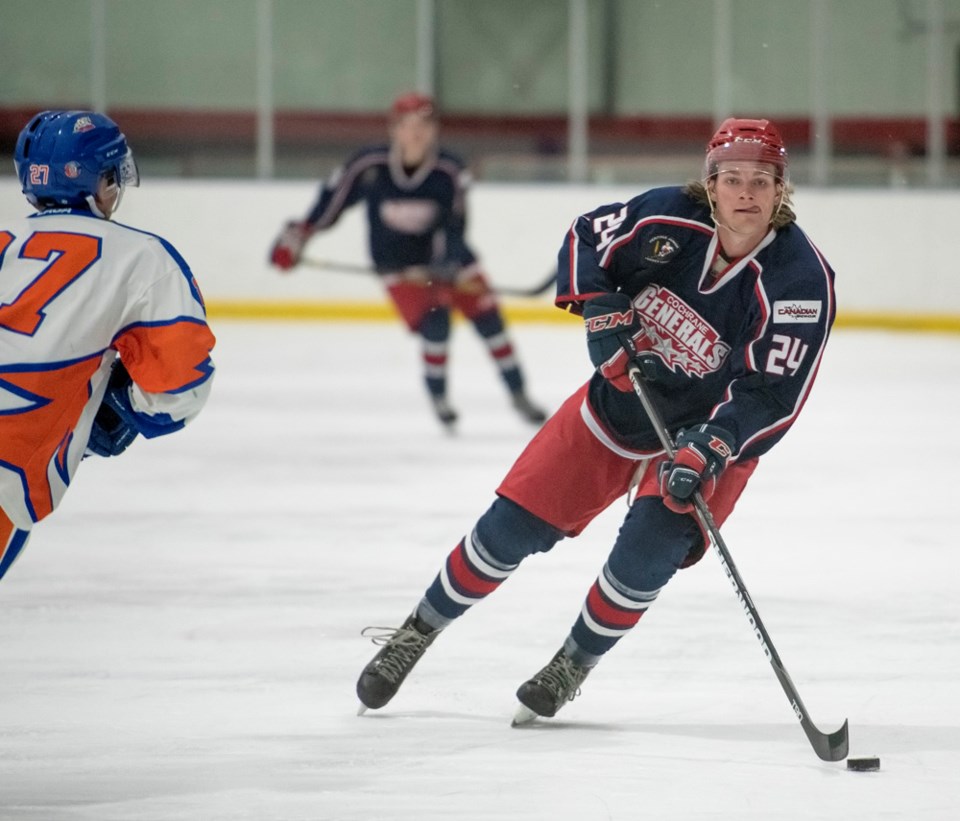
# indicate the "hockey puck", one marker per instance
pixel 863 765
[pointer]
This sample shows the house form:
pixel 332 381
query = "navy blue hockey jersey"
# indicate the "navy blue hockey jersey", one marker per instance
pixel 416 216
pixel 737 345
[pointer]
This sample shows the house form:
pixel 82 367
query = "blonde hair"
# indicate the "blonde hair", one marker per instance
pixel 783 214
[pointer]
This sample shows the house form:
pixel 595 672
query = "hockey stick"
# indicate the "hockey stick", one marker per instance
pixel 828 746
pixel 354 268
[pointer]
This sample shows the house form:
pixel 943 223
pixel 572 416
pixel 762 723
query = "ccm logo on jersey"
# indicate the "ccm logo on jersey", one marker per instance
pixel 611 321
pixel 800 310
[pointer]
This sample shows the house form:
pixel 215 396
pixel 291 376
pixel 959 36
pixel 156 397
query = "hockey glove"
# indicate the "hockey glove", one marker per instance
pixel 288 247
pixel 701 456
pixel 110 434
pixel 611 324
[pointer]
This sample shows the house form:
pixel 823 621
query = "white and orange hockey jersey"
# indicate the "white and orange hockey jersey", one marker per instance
pixel 76 291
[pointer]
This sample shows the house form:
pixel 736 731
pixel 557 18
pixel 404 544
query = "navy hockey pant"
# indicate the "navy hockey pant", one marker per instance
pixel 435 332
pixel 567 475
pixel 426 310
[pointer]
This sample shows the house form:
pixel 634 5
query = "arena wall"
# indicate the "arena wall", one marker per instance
pixel 893 250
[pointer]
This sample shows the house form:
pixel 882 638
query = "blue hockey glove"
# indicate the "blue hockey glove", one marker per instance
pixel 701 456
pixel 613 326
pixel 111 435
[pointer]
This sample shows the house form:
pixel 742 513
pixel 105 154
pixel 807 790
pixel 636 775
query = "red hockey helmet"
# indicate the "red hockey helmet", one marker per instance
pixel 739 139
pixel 413 102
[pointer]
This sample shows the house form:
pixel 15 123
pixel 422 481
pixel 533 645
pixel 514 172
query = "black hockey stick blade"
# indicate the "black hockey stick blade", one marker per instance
pixel 828 746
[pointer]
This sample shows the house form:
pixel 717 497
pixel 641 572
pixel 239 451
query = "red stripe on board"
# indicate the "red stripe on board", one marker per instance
pixel 307 127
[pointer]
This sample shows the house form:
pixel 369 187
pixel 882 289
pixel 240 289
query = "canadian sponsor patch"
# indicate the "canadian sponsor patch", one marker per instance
pixel 797 310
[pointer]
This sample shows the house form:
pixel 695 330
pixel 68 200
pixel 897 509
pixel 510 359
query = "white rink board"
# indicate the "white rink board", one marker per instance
pixel 893 250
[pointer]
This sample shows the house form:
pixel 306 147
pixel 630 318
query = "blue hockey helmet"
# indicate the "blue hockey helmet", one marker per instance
pixel 61 157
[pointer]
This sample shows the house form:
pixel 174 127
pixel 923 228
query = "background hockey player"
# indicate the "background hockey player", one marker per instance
pixel 726 306
pixel 415 194
pixel 77 291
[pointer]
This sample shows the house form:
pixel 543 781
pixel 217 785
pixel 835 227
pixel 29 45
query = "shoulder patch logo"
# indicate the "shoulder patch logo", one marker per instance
pixel 660 249
pixel 797 310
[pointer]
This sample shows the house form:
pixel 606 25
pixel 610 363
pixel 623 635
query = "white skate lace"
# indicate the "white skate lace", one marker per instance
pixel 402 647
pixel 563 678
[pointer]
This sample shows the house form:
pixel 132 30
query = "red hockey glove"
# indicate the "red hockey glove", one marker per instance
pixel 288 247
pixel 701 456
pixel 611 322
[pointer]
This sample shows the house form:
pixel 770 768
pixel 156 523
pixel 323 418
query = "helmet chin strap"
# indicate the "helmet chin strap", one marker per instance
pixel 93 202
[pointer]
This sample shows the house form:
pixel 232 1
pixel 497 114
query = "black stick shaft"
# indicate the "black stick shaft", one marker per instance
pixel 356 268
pixel 829 747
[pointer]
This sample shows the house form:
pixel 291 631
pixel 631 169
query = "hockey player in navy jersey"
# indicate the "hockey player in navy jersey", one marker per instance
pixel 415 194
pixel 103 326
pixel 725 306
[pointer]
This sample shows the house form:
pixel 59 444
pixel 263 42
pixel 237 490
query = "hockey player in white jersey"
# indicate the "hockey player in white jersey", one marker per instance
pixel 103 331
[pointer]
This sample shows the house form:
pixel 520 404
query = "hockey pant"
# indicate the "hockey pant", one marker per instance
pixel 12 542
pixel 570 472
pixel 426 308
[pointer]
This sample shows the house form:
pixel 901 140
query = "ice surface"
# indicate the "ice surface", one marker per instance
pixel 181 639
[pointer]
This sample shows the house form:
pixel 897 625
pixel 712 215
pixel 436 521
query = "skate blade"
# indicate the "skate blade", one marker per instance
pixel 523 716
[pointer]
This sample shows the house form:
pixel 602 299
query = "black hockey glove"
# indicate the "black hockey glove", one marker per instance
pixel 701 456
pixel 613 326
pixel 110 434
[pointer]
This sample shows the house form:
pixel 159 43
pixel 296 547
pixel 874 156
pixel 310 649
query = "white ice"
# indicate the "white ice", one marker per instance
pixel 181 639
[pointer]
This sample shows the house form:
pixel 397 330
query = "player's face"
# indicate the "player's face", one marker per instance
pixel 746 194
pixel 415 135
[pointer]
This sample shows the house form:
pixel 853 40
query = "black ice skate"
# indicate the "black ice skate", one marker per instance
pixel 549 689
pixel 527 409
pixel 446 414
pixel 402 648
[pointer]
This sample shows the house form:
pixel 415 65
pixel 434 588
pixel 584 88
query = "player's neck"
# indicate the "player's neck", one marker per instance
pixel 734 244
pixel 412 159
